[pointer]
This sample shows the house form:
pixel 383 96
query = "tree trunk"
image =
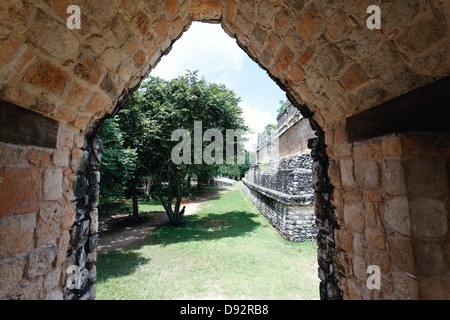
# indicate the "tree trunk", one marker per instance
pixel 135 216
pixel 175 218
pixel 147 184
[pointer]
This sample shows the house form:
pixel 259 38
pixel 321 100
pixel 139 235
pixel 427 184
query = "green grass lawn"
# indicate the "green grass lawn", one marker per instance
pixel 227 251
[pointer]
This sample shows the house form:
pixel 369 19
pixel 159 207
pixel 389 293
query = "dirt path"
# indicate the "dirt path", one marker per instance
pixel 115 234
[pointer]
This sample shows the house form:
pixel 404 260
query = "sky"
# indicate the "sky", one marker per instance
pixel 208 49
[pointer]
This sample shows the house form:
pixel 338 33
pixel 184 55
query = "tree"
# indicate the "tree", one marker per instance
pixel 158 109
pixel 238 171
pixel 118 162
pixel 283 106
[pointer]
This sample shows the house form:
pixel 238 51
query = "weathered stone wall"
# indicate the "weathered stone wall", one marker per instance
pixel 288 139
pixel 84 238
pixel 391 204
pixel 282 191
pixel 292 216
pixel 295 139
pixel 267 147
pixel 390 197
pixel 291 175
pixel 36 216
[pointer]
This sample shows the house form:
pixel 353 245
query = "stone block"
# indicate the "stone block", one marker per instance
pixel 393 177
pixel 347 174
pixel 111 59
pixel 372 196
pixel 63 246
pixel 88 69
pixel 38 158
pixel 331 62
pixel 402 254
pixel 342 149
pixel 206 9
pixel 96 103
pixel 11 272
pixel 54 295
pixel 93 228
pixel 433 289
pixel 11 154
pixel 360 267
pixel 337 26
pixel 109 85
pixel 20 191
pixel 10 47
pixel 429 257
pixel 354 77
pixel 367 150
pixel 284 58
pixel 372 214
pixel 426 176
pixel 391 147
pixel 67 215
pixel 367 174
pixel 52 188
pixel 40 260
pixel 353 290
pixel 61 158
pixel 375 238
pixel 16 233
pixel 17 96
pixel 282 21
pixel 309 24
pixel 406 286
pixel 64 114
pixel 428 217
pixel 344 240
pixel 172 8
pixel 77 95
pixel 334 174
pixel 396 214
pixel 378 258
pixel 52 280
pixel 29 290
pixel 423 34
pixel 48 223
pixel 296 75
pixel 48 76
pixel 354 217
pixel 79 160
pixel 80 122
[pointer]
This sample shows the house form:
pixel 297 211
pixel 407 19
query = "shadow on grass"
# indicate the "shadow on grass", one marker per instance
pixel 117 264
pixel 207 227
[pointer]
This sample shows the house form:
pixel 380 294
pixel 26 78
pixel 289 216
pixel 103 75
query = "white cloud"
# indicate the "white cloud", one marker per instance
pixel 207 48
pixel 204 47
pixel 257 121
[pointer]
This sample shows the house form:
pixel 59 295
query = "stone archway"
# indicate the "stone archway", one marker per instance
pixel 331 66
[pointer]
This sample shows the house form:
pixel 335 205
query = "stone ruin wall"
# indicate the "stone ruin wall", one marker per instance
pixel 288 139
pixel 294 132
pixel 282 191
pixel 280 183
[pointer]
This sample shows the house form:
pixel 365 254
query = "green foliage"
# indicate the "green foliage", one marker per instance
pixel 237 171
pixel 282 106
pixel 118 162
pixel 156 111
